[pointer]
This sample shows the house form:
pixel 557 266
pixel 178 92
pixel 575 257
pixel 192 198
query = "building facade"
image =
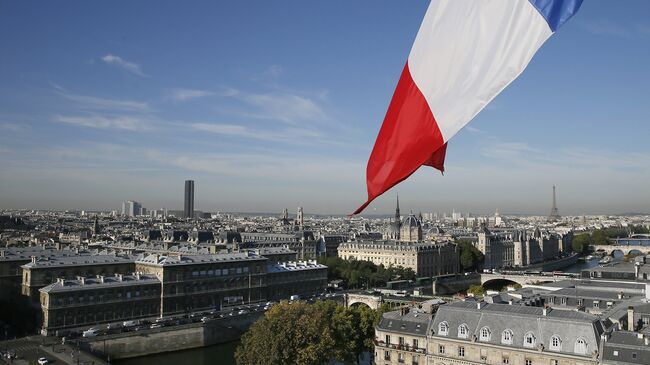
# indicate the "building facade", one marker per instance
pixel 468 333
pixel 425 258
pixel 518 248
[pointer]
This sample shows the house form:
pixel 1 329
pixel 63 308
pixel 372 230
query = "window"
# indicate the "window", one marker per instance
pixel 563 301
pixel 415 343
pixel 580 346
pixel 615 353
pixel 484 335
pixel 387 339
pixel 528 362
pixel 529 340
pixel 634 355
pixel 556 343
pixel 400 357
pixel 506 337
pixel 441 349
pixel 463 331
pixel 580 301
pixel 386 355
pixel 443 328
pixel 555 362
pixel 596 303
pixel 416 360
pixel 505 360
pixel 401 341
pixel 461 351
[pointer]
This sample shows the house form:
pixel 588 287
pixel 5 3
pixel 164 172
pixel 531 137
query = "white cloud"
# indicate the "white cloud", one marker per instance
pixel 91 102
pixel 188 94
pixel 118 61
pixel 286 107
pixel 294 135
pixel 128 123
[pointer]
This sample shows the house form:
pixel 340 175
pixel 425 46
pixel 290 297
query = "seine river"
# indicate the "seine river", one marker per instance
pixel 224 354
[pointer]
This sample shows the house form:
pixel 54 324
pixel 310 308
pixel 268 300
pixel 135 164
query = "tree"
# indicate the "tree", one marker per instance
pixel 300 333
pixel 470 256
pixel 476 289
pixel 581 243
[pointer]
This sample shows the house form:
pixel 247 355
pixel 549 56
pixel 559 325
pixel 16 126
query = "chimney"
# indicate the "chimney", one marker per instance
pixel 545 311
pixel 2 253
pixel 60 281
pixel 82 280
pixel 101 278
pixel 119 277
pixel 480 305
pixel 636 270
pixel 630 319
pixel 510 302
pixel 620 295
pixel 646 340
pixel 33 259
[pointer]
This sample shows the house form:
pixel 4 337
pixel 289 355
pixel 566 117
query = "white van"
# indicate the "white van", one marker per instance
pixel 294 298
pixel 130 323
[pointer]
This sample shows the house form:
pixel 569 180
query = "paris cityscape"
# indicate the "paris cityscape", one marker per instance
pixel 368 182
pixel 100 286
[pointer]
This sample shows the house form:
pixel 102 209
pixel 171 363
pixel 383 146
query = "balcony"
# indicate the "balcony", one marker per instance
pixel 419 350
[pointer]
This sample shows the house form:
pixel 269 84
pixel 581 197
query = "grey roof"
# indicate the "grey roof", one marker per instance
pixel 294 266
pixel 625 344
pixel 77 260
pixel 99 283
pixel 569 325
pixel 178 260
pixel 414 322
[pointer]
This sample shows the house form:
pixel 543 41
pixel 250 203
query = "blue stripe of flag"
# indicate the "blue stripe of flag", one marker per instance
pixel 556 12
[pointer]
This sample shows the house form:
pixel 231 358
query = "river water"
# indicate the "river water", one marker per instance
pixel 224 354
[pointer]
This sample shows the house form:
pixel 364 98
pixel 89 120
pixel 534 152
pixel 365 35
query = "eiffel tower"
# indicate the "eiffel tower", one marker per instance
pixel 554 216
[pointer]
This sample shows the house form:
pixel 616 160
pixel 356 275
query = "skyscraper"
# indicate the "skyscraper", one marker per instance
pixel 189 199
pixel 131 208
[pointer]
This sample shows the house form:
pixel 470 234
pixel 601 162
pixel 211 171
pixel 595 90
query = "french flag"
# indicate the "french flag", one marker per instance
pixel 465 53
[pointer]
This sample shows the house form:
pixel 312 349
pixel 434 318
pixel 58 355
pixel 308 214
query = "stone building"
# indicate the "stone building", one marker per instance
pixel 517 248
pixel 42 271
pixel 425 258
pixel 463 333
pixel 84 302
pixel 191 283
pixel 303 278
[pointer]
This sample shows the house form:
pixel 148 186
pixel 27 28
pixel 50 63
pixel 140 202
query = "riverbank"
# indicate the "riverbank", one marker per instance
pixel 170 339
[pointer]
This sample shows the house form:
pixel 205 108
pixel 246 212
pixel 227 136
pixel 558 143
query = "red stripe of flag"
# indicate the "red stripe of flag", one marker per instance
pixel 408 139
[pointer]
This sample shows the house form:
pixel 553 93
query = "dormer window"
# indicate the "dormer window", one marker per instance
pixel 580 346
pixel 484 335
pixel 529 340
pixel 443 329
pixel 463 331
pixel 506 337
pixel 556 343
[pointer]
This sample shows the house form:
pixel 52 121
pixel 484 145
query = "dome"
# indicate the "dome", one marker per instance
pixel 412 222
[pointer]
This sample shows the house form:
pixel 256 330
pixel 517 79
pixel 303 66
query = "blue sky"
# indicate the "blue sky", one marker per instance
pixel 277 104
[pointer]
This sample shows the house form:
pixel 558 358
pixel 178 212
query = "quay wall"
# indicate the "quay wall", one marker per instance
pixel 174 338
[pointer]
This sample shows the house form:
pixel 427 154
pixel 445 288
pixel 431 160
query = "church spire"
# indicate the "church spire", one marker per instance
pixel 397 215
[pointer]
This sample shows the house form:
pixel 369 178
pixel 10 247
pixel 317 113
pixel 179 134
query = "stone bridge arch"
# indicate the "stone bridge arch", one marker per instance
pixel 372 301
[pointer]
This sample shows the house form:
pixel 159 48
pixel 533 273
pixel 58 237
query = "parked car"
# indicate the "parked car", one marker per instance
pixel 43 361
pixel 294 297
pixel 90 333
